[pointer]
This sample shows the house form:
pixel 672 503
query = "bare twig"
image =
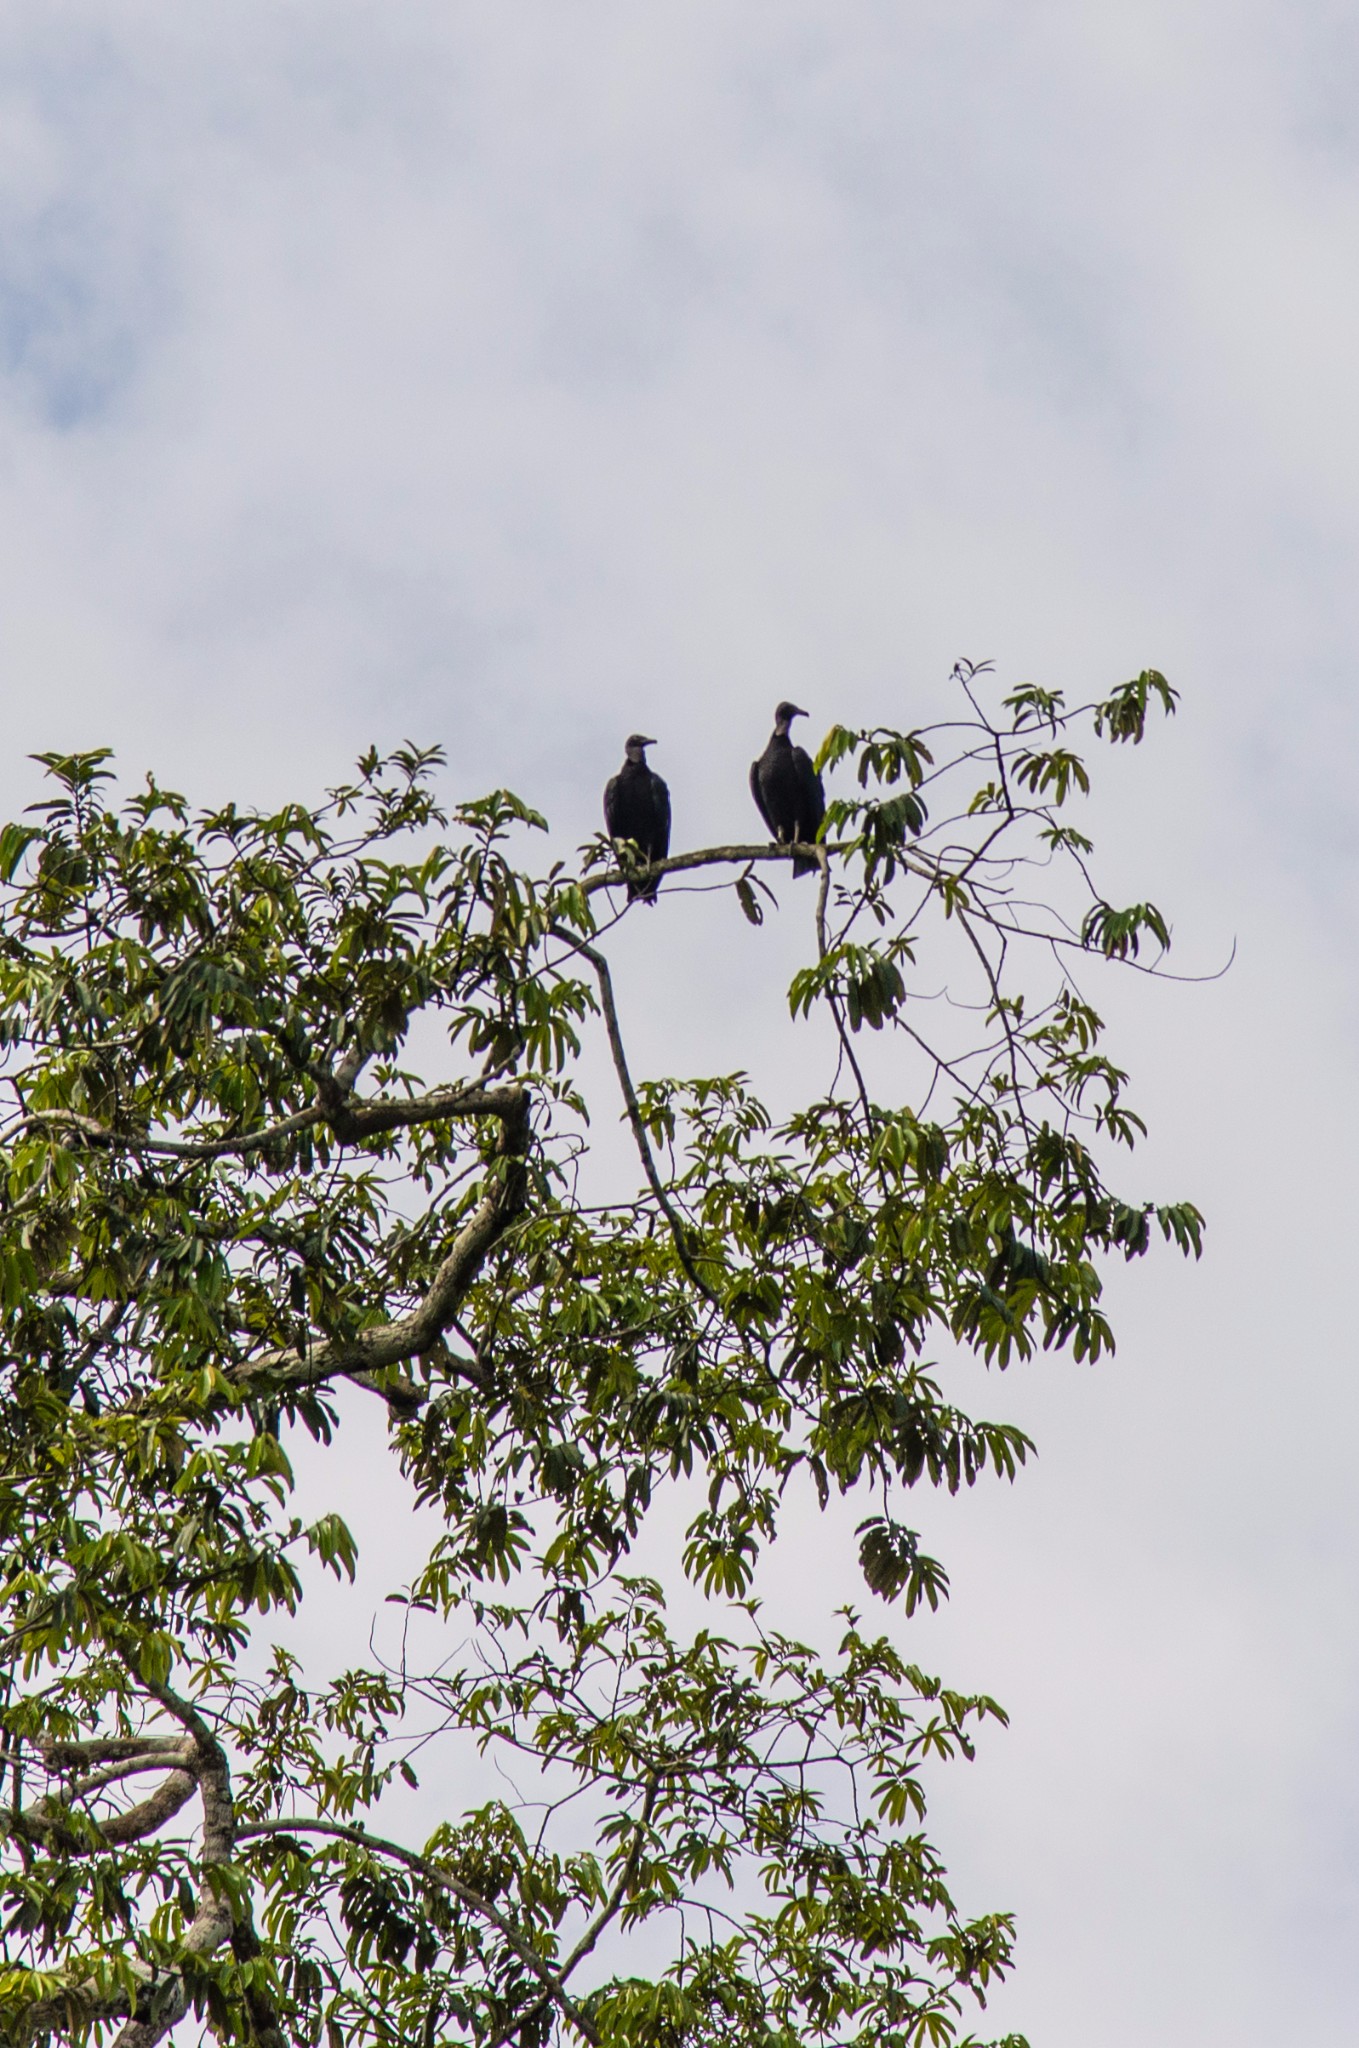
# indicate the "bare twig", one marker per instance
pixel 633 1108
pixel 823 947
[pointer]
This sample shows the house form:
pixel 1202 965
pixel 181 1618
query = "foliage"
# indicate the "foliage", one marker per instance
pixel 226 1189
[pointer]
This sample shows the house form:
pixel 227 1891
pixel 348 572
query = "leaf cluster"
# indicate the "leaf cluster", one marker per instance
pixel 295 1099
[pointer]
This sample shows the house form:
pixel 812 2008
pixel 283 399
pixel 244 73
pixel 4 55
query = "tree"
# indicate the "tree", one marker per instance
pixel 227 1190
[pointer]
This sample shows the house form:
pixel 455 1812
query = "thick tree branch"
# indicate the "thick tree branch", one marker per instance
pixel 245 1947
pixel 161 2000
pixel 93 1750
pixel 350 1121
pixel 213 1920
pixel 49 1820
pixel 375 1352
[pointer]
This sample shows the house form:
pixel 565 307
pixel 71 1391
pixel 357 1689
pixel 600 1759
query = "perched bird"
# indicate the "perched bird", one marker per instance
pixel 637 807
pixel 787 789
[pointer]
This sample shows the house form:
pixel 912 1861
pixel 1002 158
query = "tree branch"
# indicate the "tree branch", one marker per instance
pixel 374 1352
pixel 704 857
pixel 105 1749
pixel 431 1873
pixel 350 1122
pixel 213 1919
pixel 48 1820
pixel 823 947
pixel 633 1107
pixel 607 1912
pixel 161 1999
pixel 625 1878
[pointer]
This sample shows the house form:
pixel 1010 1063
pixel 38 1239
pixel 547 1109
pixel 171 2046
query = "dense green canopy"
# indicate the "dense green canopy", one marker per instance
pixel 226 1190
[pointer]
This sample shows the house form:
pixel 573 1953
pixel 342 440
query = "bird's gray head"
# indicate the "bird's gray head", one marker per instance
pixel 636 745
pixel 785 713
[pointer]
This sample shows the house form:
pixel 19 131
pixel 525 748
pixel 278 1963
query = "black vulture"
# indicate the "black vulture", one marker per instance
pixel 787 789
pixel 637 807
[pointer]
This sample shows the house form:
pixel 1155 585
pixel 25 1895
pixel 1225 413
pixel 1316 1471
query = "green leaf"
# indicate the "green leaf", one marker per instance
pixel 745 896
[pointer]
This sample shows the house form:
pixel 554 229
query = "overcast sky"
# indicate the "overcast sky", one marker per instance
pixel 515 376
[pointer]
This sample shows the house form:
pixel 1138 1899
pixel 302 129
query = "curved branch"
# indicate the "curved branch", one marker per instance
pixel 633 1107
pixel 350 1121
pixel 213 1920
pixel 369 1354
pixel 161 1999
pixel 49 1820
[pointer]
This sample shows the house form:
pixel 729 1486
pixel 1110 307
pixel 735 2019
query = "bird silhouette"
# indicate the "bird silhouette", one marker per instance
pixel 787 790
pixel 637 807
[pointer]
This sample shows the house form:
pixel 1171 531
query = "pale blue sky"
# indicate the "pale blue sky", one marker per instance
pixel 516 377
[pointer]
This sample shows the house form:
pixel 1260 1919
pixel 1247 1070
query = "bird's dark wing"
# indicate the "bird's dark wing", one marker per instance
pixel 661 792
pixel 612 823
pixel 808 802
pixel 760 803
pixel 812 792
